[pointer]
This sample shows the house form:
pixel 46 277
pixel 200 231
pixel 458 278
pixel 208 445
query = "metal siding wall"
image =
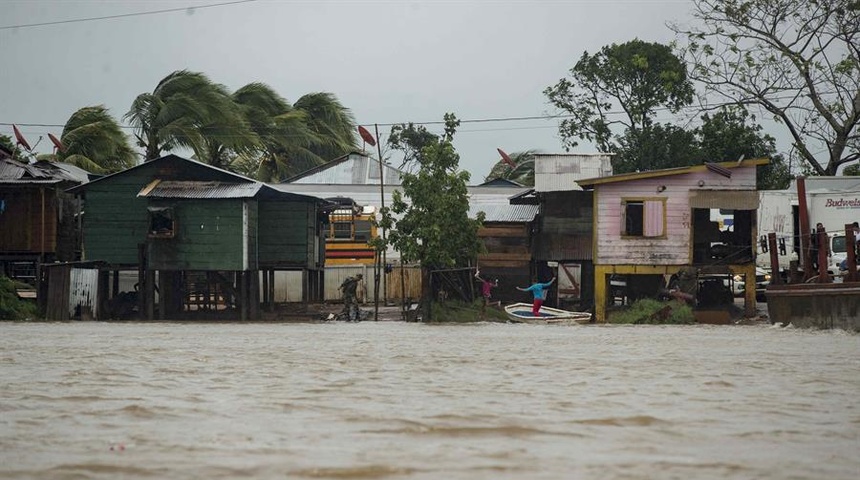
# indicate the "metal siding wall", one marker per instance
pixel 289 285
pixel 83 290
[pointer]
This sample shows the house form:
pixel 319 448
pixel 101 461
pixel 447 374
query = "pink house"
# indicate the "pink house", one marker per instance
pixel 650 225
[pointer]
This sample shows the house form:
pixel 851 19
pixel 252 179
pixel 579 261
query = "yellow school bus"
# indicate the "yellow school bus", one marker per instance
pixel 350 227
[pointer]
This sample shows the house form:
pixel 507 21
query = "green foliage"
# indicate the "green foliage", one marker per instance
pixel 331 122
pixel 11 307
pixel 851 170
pixel 635 77
pixel 523 172
pixel 654 147
pixel 644 311
pixel 6 141
pixel 94 141
pixel 18 153
pixel 731 133
pixel 727 135
pixel 433 227
pixel 253 131
pixel 186 109
pixel 291 138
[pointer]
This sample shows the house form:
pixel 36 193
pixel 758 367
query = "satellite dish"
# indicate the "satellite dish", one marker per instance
pixel 20 138
pixel 58 145
pixel 366 136
pixel 506 158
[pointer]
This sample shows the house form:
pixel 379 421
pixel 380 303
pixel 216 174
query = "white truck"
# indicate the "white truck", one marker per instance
pixel 831 201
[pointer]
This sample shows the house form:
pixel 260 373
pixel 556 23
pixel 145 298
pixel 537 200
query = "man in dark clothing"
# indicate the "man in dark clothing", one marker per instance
pixel 350 302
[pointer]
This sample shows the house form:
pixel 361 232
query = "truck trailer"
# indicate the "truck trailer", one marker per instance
pixel 831 201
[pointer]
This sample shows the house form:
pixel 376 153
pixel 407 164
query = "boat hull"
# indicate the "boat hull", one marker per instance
pixel 522 313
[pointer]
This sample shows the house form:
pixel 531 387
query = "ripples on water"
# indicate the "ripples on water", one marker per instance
pixel 396 400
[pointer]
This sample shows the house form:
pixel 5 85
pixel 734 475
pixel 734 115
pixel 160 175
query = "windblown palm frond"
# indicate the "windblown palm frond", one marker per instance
pixel 94 141
pixel 185 110
pixel 331 121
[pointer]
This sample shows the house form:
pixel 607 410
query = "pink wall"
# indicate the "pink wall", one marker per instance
pixel 674 249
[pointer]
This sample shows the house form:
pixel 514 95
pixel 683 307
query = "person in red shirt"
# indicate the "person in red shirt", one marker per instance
pixel 486 291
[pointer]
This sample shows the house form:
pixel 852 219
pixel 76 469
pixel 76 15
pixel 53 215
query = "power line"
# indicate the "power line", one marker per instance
pixel 124 15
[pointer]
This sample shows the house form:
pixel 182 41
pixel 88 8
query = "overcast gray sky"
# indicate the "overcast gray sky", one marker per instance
pixel 388 61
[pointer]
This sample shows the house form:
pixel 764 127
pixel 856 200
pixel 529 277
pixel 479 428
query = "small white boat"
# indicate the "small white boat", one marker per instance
pixel 522 313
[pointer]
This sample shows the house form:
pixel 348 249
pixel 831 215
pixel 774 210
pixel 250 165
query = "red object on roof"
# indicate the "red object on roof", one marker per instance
pixel 366 136
pixel 20 138
pixel 57 143
pixel 507 158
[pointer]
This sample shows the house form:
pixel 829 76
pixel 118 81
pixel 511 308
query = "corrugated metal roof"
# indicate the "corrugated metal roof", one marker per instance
pixel 354 169
pixel 194 189
pixel 505 212
pixel 42 172
pixel 559 172
pixel 164 161
pixel 624 177
pixel 490 199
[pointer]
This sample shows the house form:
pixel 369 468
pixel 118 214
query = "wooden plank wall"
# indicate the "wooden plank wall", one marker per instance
pixel 674 249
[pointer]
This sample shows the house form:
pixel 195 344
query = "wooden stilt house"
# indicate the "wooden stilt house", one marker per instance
pixel 202 240
pixel 650 225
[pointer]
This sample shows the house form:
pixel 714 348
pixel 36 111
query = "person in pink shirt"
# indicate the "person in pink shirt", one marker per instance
pixel 486 291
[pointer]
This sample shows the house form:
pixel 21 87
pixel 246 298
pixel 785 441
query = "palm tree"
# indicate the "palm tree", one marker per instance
pixel 93 140
pixel 281 129
pixel 187 110
pixel 293 138
pixel 523 173
pixel 331 121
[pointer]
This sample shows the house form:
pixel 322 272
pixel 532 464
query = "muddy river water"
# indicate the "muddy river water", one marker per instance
pixel 413 401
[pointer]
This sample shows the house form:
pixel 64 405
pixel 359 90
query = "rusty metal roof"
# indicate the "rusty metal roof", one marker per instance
pixel 217 190
pixel 41 172
pixel 197 189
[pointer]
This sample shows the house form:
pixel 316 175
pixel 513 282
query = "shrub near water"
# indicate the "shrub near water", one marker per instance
pixel 12 307
pixel 644 311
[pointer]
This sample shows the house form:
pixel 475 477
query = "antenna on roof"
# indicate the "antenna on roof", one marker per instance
pixel 366 136
pixel 506 158
pixel 58 145
pixel 20 139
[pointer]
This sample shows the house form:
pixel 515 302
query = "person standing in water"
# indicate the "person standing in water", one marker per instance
pixel 539 291
pixel 486 290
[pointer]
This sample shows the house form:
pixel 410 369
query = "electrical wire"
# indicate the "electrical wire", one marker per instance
pixel 123 15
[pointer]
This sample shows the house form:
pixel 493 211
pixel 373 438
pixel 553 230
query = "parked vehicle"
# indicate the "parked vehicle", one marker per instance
pixel 831 201
pixel 762 279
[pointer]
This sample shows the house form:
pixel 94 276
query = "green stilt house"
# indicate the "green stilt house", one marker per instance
pixel 203 241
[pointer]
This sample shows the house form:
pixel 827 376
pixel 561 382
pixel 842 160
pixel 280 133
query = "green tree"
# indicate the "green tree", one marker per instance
pixel 182 111
pixel 93 140
pixel 851 170
pixel 433 227
pixel 410 139
pixel 282 132
pixel 6 141
pixel 798 60
pixel 18 152
pixel 293 138
pixel 523 171
pixel 618 90
pixel 731 133
pixel 656 146
pixel 333 124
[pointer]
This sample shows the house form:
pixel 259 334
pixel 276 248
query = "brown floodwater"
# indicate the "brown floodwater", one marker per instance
pixel 413 401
